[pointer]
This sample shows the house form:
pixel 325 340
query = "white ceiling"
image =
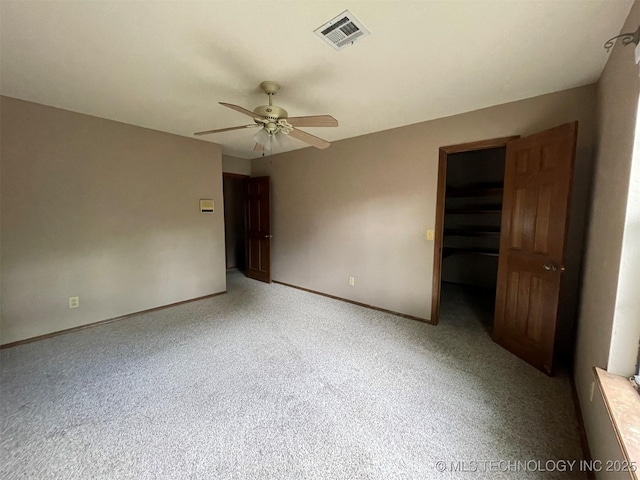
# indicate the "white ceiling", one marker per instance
pixel 165 65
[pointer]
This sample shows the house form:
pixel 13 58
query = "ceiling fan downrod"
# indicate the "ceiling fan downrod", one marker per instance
pixel 270 88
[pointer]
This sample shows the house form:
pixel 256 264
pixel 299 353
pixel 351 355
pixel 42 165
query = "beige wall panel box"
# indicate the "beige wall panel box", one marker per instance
pixel 206 206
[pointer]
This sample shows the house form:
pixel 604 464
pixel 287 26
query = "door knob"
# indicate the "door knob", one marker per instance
pixel 549 267
pixel 268 236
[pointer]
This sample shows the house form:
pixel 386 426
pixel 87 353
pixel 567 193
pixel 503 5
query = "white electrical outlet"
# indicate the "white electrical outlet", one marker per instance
pixel 352 281
pixel 593 386
pixel 74 302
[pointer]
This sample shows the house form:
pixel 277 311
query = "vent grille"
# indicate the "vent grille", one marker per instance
pixel 342 31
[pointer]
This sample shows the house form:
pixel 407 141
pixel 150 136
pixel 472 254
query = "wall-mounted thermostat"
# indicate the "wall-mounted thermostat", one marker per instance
pixel 206 206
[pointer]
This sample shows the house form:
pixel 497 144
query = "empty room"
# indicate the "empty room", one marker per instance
pixel 319 240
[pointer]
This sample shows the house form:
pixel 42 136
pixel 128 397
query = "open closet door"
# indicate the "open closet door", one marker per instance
pixel 259 229
pixel 535 208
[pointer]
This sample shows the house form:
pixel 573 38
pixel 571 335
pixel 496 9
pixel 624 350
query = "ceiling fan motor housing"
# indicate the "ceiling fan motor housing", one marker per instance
pixel 271 112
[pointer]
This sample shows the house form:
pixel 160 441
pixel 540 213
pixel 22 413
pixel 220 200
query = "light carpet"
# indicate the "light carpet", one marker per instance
pixel 270 382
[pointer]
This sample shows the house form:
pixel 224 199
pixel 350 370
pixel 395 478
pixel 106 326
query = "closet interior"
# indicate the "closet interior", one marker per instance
pixel 471 233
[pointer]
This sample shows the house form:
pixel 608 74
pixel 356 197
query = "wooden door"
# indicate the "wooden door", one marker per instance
pixel 538 172
pixel 259 229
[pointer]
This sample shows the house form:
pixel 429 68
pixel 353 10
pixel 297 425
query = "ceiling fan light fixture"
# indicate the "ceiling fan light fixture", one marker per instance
pixel 282 140
pixel 262 137
pixel 284 126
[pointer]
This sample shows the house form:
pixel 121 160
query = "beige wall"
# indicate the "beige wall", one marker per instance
pixel 239 166
pixel 104 211
pixel 617 95
pixel 362 207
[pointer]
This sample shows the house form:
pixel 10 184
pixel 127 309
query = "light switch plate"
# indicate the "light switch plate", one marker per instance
pixel 430 234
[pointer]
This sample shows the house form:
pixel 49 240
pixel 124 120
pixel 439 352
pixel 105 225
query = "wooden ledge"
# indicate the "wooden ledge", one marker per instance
pixel 623 405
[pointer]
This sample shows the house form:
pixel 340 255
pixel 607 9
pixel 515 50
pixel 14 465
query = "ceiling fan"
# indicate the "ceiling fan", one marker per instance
pixel 275 123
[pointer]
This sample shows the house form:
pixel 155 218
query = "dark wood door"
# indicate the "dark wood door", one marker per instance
pixel 538 172
pixel 259 229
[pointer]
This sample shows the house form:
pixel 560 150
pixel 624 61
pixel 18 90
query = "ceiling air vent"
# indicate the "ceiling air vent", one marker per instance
pixel 342 31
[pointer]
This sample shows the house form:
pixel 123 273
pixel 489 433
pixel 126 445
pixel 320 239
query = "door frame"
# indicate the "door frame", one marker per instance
pixel 444 153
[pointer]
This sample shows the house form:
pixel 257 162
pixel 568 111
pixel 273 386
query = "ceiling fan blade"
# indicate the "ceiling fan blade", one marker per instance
pixel 207 132
pixel 241 110
pixel 313 121
pixel 258 148
pixel 308 138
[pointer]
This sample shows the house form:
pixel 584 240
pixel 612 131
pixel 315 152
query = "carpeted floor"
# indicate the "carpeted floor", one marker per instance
pixel 270 382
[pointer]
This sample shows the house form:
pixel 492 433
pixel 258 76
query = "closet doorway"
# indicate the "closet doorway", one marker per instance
pixel 234 188
pixel 468 221
pixel 532 209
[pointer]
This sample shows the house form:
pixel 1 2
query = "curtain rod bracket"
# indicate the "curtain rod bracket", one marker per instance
pixel 627 38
